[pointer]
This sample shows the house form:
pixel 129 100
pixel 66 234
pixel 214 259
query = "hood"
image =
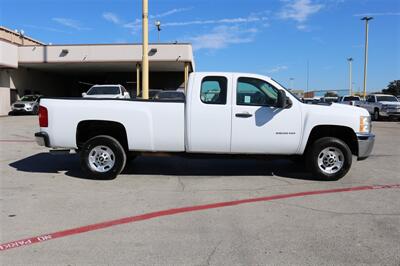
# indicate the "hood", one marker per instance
pixel 337 108
pixel 390 103
pixel 24 102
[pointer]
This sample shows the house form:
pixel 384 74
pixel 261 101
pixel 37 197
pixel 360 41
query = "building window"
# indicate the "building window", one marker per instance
pixel 213 90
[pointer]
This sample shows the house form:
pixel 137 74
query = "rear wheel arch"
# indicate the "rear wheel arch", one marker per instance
pixel 88 129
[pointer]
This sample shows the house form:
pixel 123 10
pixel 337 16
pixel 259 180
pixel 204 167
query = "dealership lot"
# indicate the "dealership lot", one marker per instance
pixel 43 194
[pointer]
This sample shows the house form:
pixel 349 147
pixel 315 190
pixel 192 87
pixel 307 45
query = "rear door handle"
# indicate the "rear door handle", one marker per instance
pixel 243 115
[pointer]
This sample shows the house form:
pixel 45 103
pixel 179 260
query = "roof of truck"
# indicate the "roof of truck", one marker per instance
pixel 227 73
pixel 106 85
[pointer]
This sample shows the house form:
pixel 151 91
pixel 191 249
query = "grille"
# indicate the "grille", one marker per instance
pixel 19 105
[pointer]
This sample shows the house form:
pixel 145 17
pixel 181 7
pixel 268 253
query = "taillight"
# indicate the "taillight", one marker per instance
pixel 43 117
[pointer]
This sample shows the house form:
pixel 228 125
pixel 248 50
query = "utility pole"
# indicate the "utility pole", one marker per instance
pixel 366 54
pixel 350 60
pixel 145 49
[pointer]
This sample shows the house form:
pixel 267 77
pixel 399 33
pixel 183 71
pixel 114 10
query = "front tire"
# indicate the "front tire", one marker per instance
pixel 376 115
pixel 102 157
pixel 329 159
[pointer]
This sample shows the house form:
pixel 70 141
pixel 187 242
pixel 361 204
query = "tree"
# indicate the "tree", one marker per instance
pixel 393 88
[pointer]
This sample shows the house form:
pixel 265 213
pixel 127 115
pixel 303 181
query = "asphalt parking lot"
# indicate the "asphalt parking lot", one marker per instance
pixel 347 222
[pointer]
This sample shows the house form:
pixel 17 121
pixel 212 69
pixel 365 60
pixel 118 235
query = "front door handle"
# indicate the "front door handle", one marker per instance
pixel 243 115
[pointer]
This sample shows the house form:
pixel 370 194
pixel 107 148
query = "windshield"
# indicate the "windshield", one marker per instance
pixel 29 98
pixel 351 98
pixel 103 90
pixel 386 99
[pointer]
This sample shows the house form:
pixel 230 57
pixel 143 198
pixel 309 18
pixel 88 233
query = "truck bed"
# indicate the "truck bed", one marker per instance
pixel 150 125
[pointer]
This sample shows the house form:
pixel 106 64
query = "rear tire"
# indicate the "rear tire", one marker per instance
pixel 329 159
pixel 102 157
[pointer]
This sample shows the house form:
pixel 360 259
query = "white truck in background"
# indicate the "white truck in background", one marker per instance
pixel 349 99
pixel 223 113
pixel 381 106
pixel 107 91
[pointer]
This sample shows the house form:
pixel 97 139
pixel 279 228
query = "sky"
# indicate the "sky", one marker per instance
pixel 277 38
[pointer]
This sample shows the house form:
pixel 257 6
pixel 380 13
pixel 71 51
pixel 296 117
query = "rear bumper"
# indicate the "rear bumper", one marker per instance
pixel 42 139
pixel 365 145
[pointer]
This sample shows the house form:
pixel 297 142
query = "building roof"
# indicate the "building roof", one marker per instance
pixel 16 37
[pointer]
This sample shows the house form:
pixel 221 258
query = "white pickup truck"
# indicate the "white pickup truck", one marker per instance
pixel 381 106
pixel 223 113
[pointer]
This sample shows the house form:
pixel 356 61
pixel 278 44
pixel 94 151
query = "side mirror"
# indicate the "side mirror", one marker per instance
pixel 281 101
pixel 84 94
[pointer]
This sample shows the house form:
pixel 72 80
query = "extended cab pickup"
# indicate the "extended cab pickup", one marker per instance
pixel 223 113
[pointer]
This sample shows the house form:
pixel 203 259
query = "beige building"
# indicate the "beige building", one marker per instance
pixel 28 66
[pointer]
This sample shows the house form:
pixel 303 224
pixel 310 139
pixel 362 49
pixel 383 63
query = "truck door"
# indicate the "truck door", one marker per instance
pixel 208 112
pixel 257 125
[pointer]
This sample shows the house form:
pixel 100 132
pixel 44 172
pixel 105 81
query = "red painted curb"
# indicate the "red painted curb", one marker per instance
pixel 151 215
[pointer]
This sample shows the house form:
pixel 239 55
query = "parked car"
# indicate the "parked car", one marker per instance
pixel 349 99
pixel 382 106
pixel 170 95
pixel 224 113
pixel 152 93
pixel 329 100
pixel 28 104
pixel 107 91
pixel 311 100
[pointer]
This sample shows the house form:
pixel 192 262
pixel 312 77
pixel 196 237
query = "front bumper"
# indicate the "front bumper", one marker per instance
pixel 42 139
pixel 18 110
pixel 389 114
pixel 365 145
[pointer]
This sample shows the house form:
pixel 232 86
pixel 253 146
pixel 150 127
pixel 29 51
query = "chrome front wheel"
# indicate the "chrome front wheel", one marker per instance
pixel 330 160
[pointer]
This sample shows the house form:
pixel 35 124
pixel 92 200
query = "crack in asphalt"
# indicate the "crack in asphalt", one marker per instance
pixel 181 184
pixel 334 212
pixel 209 257
pixel 274 177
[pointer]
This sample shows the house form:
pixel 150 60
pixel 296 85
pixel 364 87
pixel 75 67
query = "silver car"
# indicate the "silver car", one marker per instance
pixel 28 104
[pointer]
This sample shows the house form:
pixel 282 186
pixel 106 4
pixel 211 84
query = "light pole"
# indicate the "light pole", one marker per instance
pixel 291 83
pixel 350 60
pixel 308 73
pixel 158 25
pixel 145 48
pixel 366 54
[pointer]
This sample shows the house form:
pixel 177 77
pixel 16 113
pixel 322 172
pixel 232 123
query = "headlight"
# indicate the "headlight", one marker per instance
pixel 365 124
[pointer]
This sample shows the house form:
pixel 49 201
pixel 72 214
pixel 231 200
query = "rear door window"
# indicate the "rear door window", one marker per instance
pixel 214 90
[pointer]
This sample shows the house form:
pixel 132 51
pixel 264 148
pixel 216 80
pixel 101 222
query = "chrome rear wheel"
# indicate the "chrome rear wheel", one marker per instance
pixel 101 159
